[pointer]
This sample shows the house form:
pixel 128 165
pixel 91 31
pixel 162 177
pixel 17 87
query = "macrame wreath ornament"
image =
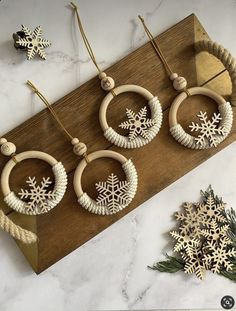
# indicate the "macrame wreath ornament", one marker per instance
pixel 39 199
pixel 113 195
pixel 141 130
pixel 205 239
pixel 210 132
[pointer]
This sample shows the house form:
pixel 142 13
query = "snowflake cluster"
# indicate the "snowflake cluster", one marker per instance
pixel 203 237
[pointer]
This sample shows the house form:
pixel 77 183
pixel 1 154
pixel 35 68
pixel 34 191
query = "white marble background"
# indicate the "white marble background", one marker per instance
pixel 109 272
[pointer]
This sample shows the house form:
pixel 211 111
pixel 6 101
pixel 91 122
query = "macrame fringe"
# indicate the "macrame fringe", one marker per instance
pixel 132 178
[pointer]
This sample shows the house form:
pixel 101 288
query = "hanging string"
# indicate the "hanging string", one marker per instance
pixel 44 100
pixel 86 42
pixel 156 47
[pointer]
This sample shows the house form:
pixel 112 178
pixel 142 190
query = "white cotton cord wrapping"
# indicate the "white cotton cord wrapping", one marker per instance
pixel 225 57
pixel 15 231
pixel 189 141
pixel 60 187
pixel 124 141
pixel 132 178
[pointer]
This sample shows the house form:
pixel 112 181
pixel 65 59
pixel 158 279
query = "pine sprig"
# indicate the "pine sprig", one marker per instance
pixel 231 217
pixel 171 265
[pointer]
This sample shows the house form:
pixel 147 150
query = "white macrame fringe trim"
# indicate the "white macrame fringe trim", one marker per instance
pixel 132 178
pixel 189 141
pixel 60 187
pixel 125 142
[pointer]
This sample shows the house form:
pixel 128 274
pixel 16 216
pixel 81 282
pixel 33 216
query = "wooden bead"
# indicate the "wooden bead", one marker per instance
pixel 173 76
pixel 74 141
pixel 107 83
pixel 179 83
pixel 102 75
pixel 80 149
pixel 8 149
pixel 2 141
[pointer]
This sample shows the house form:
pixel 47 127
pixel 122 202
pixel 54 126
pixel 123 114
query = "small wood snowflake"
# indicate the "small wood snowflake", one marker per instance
pixel 113 193
pixel 137 124
pixel 195 263
pixel 212 210
pixel 33 42
pixel 38 195
pixel 220 255
pixel 208 129
pixel 185 243
pixel 216 232
pixel 192 220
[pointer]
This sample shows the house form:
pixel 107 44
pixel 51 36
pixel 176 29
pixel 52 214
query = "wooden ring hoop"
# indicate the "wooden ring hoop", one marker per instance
pixel 61 178
pixel 91 157
pixel 131 177
pixel 192 91
pixel 123 141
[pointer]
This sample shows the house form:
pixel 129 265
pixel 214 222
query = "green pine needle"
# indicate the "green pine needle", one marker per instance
pixel 171 265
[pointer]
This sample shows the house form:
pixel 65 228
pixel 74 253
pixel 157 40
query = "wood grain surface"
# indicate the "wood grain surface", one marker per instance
pixel 159 163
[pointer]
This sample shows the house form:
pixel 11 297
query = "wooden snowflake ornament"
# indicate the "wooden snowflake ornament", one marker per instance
pixel 141 129
pixel 219 255
pixel 38 199
pixel 211 132
pixel 137 124
pixel 185 243
pixel 32 41
pixel 113 195
pixel 208 129
pixel 195 263
pixel 38 196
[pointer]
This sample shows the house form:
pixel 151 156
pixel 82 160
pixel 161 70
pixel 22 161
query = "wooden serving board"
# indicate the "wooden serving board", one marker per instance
pixel 159 163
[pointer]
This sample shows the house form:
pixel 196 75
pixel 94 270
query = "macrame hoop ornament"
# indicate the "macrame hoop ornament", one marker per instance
pixel 19 205
pixel 131 176
pixel 210 135
pixel 145 129
pixel 188 140
pixel 124 141
pixel 224 107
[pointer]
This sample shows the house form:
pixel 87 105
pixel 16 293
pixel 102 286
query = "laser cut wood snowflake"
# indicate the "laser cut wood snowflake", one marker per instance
pixel 38 195
pixel 192 220
pixel 220 255
pixel 185 243
pixel 33 42
pixel 137 124
pixel 113 193
pixel 208 129
pixel 216 232
pixel 195 263
pixel 212 210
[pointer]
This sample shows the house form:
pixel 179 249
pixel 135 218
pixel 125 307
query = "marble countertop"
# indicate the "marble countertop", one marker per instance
pixel 115 277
